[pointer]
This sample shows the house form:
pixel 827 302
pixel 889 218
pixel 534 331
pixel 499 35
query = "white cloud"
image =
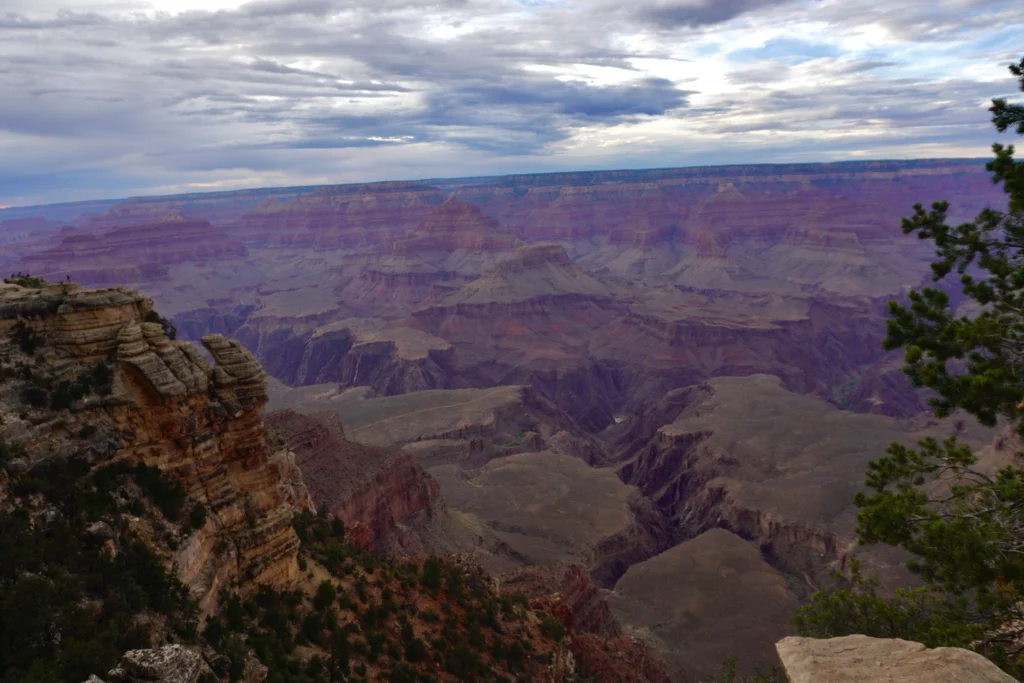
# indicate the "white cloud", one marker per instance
pixel 132 96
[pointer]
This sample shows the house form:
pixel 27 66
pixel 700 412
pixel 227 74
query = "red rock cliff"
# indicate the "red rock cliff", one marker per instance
pixel 374 491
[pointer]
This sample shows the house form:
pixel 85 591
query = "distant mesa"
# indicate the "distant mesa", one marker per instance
pixel 454 225
pixel 339 217
pixel 132 253
pixel 535 271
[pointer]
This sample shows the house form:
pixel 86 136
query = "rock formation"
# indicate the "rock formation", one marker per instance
pixel 860 659
pixel 168 664
pixel 132 253
pixel 168 407
pixel 379 494
pixel 339 217
pixel 762 480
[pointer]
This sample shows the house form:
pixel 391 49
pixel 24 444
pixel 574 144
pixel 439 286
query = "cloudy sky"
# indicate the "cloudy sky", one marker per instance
pixel 108 98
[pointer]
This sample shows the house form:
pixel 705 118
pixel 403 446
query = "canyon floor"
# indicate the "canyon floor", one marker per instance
pixel 673 379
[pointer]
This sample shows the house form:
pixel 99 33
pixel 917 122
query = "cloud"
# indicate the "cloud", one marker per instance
pixel 103 97
pixel 693 13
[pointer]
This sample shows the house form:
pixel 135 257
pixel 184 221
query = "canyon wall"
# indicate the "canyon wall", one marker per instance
pixel 202 425
pixel 378 494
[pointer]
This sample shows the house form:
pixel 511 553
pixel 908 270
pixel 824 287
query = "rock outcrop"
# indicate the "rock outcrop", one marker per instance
pixel 167 407
pixel 168 664
pixel 860 659
pixel 379 494
pixel 569 585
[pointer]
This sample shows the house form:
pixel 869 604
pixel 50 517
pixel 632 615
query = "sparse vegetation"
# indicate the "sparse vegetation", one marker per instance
pixel 962 524
pixel 25 337
pixel 56 578
pixel 26 280
pixel 169 328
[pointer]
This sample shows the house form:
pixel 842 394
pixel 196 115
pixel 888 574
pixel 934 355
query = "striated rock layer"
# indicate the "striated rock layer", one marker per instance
pixel 169 408
pixel 377 493
pixel 132 253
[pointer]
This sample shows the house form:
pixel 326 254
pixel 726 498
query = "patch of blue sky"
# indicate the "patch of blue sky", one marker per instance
pixel 1007 39
pixel 786 50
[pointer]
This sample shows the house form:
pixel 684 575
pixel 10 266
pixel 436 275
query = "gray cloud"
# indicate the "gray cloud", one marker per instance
pixel 693 13
pixel 101 101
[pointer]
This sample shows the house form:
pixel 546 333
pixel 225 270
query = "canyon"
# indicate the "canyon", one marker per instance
pixel 669 381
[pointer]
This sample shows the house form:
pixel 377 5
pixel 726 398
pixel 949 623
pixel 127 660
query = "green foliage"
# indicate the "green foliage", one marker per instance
pixel 416 650
pixel 26 280
pixel 169 328
pixel 987 255
pixel 325 595
pixel 37 397
pixel 25 337
pixel 728 674
pixel 10 451
pixel 551 627
pixel 165 494
pixel 857 605
pixel 432 573
pixel 516 656
pixel 964 526
pixel 197 516
pixel 68 609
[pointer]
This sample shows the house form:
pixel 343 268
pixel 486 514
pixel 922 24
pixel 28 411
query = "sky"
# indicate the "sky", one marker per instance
pixel 114 98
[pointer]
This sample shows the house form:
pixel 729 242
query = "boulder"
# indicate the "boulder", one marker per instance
pixel 860 659
pixel 167 664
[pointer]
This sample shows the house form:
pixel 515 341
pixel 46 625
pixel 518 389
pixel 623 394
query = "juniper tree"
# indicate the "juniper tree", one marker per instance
pixel 963 525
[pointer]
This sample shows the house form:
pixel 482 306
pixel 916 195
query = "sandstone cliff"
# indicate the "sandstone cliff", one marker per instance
pixel 166 406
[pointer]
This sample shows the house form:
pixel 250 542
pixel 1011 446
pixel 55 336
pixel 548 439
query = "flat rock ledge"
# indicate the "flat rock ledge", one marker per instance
pixel 860 659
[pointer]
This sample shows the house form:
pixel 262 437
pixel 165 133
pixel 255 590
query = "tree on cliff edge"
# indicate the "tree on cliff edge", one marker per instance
pixel 964 526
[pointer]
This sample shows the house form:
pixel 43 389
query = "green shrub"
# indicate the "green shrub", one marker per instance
pixel 25 337
pixel 551 627
pixel 169 328
pixel 516 656
pixel 167 495
pixel 61 398
pixel 325 595
pixel 197 516
pixel 431 575
pixel 37 397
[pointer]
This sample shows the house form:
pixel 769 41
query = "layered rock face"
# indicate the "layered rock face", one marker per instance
pixel 860 659
pixel 132 253
pixel 204 426
pixel 547 507
pixel 768 464
pixel 456 225
pixel 675 275
pixel 367 352
pixel 168 664
pixel 468 427
pixel 378 494
pixel 168 407
pixel 219 208
pixel 453 244
pixel 340 216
